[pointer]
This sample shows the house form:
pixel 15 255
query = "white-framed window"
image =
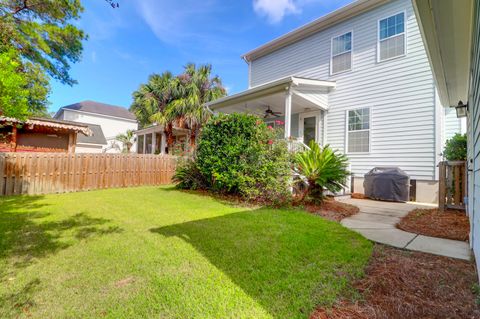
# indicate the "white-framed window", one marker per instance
pixel 358 130
pixel 391 37
pixel 341 57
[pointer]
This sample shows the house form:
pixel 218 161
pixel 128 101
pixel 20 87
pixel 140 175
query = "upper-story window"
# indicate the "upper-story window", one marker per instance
pixel 341 53
pixel 391 37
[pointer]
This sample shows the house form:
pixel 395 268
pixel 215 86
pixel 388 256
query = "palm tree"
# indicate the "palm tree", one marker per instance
pixel 196 87
pixel 178 101
pixel 151 100
pixel 127 139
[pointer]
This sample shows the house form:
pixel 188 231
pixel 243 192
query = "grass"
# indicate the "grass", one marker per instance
pixel 157 252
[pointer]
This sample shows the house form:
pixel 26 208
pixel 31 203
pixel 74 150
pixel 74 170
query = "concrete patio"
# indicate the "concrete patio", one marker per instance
pixel 376 221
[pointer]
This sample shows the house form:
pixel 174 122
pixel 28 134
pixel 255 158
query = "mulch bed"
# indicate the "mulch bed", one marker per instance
pixel 451 224
pixel 402 284
pixel 331 209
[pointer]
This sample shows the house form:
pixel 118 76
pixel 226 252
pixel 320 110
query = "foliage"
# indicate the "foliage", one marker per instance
pixel 323 168
pixel 126 139
pixel 44 42
pixel 177 101
pixel 156 242
pixel 13 92
pixel 238 154
pixel 187 176
pixel 456 148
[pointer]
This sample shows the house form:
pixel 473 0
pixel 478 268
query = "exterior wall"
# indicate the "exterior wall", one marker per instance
pixel 474 142
pixel 452 123
pixel 400 92
pixel 86 148
pixel 111 127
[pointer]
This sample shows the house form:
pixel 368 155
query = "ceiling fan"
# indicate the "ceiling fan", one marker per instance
pixel 270 112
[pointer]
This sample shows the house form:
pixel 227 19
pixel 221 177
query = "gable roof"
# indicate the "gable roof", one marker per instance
pixel 97 136
pixel 99 108
pixel 326 21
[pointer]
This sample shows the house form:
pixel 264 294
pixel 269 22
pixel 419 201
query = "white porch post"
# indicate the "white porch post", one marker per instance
pixel 288 114
pixel 144 143
pixel 154 142
pixel 162 144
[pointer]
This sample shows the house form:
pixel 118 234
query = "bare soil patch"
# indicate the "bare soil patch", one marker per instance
pixel 332 209
pixel 403 284
pixel 451 224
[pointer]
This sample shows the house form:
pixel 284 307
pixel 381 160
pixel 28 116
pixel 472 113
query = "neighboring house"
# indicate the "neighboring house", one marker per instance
pixel 94 143
pixel 40 135
pixel 358 79
pixel 152 140
pixel 112 119
pixel 451 32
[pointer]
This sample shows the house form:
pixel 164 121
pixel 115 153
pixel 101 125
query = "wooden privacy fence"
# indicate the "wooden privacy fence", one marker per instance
pixel 452 185
pixel 43 173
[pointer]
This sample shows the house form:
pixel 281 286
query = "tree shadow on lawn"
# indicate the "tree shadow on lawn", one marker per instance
pixel 287 260
pixel 26 233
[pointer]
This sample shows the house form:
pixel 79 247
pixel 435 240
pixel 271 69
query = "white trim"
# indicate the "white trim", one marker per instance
pixel 318 118
pixel 101 115
pixel 351 53
pixel 363 130
pixel 398 34
pixel 268 88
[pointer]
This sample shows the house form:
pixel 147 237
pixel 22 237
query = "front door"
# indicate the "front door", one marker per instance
pixel 309 127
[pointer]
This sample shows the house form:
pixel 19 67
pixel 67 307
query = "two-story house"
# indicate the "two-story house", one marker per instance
pixel 106 122
pixel 359 80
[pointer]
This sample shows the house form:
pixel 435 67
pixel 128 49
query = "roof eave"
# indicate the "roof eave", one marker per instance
pixel 268 89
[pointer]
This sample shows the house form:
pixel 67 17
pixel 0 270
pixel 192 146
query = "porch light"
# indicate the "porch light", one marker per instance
pixel 461 109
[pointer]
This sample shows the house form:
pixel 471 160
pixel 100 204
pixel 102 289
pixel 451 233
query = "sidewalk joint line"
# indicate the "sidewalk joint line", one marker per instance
pixel 416 235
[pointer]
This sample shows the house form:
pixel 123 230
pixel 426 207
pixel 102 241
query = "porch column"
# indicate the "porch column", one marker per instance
pixel 144 143
pixel 288 114
pixel 162 144
pixel 154 137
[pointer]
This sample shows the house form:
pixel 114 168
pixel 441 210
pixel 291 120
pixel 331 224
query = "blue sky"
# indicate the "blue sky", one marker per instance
pixel 142 37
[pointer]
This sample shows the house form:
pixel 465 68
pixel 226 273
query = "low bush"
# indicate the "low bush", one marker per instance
pixel 456 148
pixel 239 154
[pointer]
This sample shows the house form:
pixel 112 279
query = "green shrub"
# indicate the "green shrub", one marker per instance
pixel 456 148
pixel 324 169
pixel 187 176
pixel 238 154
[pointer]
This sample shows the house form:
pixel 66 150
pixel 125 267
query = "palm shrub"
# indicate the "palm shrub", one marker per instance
pixel 324 170
pixel 187 176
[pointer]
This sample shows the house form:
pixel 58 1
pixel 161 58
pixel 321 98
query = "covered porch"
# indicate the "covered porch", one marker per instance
pixel 297 105
pixel 153 140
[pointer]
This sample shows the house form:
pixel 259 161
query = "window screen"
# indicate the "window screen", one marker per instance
pixel 359 130
pixel 392 37
pixel 342 53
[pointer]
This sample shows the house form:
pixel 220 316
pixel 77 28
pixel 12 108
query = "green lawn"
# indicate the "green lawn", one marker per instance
pixel 160 253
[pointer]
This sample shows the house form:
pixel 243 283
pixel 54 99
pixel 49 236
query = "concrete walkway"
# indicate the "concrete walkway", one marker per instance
pixel 376 221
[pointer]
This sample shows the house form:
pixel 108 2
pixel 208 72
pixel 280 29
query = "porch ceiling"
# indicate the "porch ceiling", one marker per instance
pixel 307 95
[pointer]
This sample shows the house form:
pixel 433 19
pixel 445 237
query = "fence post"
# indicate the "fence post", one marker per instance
pixel 441 187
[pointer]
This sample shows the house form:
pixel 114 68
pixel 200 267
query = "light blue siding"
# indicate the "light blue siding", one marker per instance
pixel 400 92
pixel 474 141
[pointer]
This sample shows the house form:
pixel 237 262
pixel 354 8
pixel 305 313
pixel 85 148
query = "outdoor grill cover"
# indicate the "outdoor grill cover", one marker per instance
pixel 387 183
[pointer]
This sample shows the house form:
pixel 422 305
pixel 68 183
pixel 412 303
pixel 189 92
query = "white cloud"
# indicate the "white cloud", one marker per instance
pixel 275 10
pixel 176 20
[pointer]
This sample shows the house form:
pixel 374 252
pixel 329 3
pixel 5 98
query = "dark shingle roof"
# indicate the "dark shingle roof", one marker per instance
pixel 101 108
pixel 96 138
